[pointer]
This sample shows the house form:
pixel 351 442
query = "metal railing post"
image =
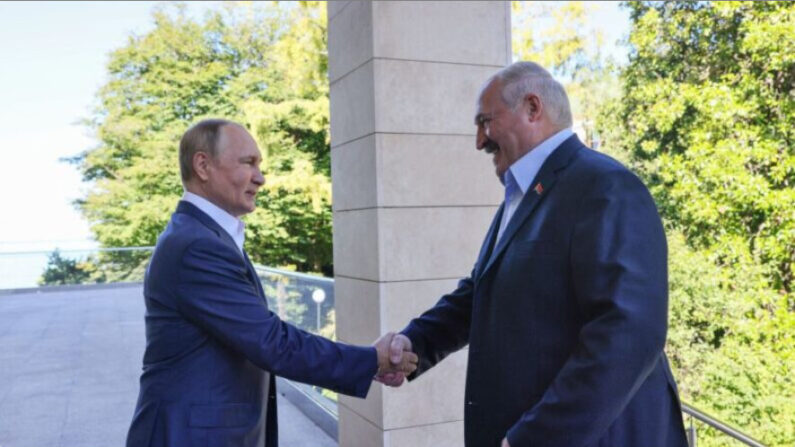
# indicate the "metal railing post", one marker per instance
pixel 691 434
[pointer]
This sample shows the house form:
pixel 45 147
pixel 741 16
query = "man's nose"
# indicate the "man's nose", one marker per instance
pixel 480 139
pixel 259 179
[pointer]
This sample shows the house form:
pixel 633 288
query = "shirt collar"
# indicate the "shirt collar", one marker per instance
pixel 524 170
pixel 231 224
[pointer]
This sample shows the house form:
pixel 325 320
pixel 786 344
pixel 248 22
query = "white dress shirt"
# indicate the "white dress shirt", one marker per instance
pixel 519 176
pixel 231 224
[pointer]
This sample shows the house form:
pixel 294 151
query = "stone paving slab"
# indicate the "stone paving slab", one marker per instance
pixel 70 360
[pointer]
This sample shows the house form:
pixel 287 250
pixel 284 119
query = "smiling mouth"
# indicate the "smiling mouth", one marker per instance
pixel 491 147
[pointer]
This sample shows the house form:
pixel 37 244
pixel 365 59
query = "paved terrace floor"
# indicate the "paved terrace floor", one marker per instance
pixel 69 366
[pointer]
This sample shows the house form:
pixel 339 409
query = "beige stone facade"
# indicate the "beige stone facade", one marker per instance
pixel 412 196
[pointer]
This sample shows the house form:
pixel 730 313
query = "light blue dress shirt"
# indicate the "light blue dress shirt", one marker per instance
pixel 231 224
pixel 519 176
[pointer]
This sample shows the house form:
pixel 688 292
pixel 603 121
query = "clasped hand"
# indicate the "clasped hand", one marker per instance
pixel 395 359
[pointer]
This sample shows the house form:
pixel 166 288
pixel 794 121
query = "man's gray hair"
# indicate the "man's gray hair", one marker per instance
pixel 521 78
pixel 201 137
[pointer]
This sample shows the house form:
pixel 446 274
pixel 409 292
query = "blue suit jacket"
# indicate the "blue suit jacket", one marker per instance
pixel 565 317
pixel 212 346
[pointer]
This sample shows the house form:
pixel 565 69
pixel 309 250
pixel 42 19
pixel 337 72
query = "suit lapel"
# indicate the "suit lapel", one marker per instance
pixel 191 209
pixel 540 187
pixel 488 243
pixel 252 273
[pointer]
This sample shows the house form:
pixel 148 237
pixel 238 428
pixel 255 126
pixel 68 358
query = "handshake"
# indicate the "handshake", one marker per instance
pixel 395 359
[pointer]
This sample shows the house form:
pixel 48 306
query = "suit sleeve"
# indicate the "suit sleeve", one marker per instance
pixel 443 329
pixel 214 292
pixel 618 261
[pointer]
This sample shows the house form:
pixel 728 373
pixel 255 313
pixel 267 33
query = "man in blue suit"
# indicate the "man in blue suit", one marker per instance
pixel 212 345
pixel 565 311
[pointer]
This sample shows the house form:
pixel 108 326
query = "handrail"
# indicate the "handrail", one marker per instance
pixel 262 269
pixel 716 424
pixel 77 250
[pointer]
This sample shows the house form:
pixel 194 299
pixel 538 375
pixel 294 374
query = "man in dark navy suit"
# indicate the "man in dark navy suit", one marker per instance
pixel 212 345
pixel 565 311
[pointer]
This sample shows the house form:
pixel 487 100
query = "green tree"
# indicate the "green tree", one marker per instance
pixel 730 342
pixel 705 117
pixel 62 270
pixel 562 38
pixel 261 65
pixel 706 114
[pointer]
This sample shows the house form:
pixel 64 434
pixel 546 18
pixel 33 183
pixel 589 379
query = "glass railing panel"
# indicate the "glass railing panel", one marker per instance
pixel 306 301
pixel 26 269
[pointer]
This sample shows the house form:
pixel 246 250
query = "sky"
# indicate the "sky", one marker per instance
pixel 52 62
pixel 614 23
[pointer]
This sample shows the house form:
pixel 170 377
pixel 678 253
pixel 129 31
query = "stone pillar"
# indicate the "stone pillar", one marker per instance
pixel 413 198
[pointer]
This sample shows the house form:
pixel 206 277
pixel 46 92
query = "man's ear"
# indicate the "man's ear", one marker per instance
pixel 533 107
pixel 201 165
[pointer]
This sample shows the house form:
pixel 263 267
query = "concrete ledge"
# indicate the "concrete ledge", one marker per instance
pixel 70 287
pixel 309 406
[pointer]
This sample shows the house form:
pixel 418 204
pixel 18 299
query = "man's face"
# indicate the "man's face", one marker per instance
pixel 234 175
pixel 502 131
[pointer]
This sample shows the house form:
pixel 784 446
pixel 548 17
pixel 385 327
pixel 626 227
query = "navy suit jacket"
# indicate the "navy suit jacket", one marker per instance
pixel 565 317
pixel 212 346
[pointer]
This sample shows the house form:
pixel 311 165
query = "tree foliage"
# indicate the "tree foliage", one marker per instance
pixel 60 271
pixel 706 114
pixel 561 37
pixel 261 65
pixel 705 117
pixel 730 342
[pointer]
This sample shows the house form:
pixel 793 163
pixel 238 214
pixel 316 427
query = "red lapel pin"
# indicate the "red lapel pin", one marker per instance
pixel 539 188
